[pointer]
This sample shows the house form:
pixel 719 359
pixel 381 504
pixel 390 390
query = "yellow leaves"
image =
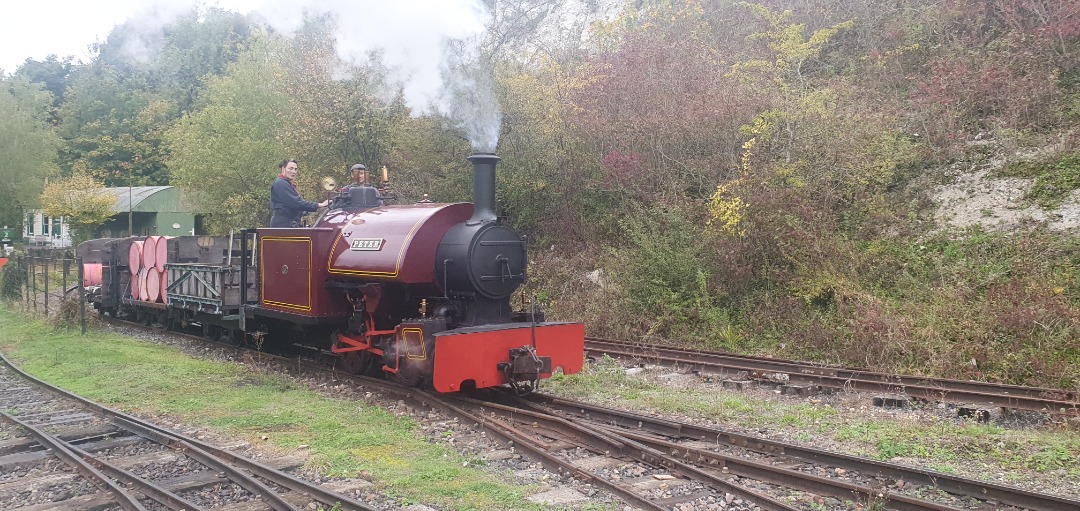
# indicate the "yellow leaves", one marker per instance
pixel 80 198
pixel 881 59
pixel 789 45
pixel 688 16
pixel 760 129
pixel 747 155
pixel 727 210
pixel 155 115
pixel 788 174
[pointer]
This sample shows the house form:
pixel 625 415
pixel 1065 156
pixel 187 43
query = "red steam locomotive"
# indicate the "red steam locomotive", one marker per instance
pixel 421 293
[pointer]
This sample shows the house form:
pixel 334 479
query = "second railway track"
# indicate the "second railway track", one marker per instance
pixel 816 376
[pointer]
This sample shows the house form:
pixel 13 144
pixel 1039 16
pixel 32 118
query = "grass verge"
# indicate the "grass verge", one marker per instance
pixel 345 438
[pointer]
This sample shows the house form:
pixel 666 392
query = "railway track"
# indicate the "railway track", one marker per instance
pixel 792 466
pixel 657 464
pixel 60 451
pixel 986 397
pixel 651 463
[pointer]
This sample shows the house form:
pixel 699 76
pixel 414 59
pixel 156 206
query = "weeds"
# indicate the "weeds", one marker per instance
pixel 1055 178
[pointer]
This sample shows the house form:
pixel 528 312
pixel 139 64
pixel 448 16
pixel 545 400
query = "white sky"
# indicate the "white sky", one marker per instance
pixel 411 31
pixel 35 29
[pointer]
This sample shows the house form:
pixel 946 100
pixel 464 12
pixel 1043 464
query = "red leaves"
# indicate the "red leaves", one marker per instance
pixel 996 64
pixel 624 169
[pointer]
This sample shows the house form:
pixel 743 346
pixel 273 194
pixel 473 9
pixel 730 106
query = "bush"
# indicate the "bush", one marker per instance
pixel 67 315
pixel 12 277
pixel 663 280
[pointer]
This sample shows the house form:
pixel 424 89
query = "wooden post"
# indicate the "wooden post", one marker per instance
pixel 82 295
pixel 26 268
pixel 46 276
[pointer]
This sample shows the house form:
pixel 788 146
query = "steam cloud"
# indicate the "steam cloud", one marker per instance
pixel 431 43
pixel 469 95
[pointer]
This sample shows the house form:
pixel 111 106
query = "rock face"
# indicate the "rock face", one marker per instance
pixel 998 203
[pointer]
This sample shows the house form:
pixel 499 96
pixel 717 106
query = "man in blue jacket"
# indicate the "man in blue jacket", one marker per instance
pixel 285 200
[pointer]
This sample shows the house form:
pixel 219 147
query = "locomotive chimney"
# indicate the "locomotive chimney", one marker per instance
pixel 483 188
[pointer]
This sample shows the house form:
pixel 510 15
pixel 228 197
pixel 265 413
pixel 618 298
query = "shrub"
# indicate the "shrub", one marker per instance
pixel 12 277
pixel 67 315
pixel 662 278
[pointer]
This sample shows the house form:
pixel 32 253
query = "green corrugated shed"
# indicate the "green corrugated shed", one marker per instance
pixel 154 210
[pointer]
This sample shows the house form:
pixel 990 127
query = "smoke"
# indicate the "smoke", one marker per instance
pixel 410 34
pixel 431 45
pixel 144 33
pixel 468 95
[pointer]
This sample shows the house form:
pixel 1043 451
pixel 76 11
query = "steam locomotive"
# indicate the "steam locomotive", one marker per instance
pixel 421 293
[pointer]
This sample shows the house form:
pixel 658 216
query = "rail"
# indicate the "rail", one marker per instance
pixel 789 372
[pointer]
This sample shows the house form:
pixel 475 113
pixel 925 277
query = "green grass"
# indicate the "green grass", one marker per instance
pixel 345 438
pixel 1055 178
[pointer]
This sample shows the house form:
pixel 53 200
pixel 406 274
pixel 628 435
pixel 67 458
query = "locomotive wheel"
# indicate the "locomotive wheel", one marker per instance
pixel 358 362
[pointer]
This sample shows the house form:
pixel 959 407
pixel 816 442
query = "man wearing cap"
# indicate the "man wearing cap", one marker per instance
pixel 285 201
pixel 359 173
pixel 359 177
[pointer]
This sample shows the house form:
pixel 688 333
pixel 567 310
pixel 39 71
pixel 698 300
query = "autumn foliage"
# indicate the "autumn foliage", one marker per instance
pixel 754 176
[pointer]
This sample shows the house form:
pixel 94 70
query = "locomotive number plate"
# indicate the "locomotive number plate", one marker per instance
pixel 367 244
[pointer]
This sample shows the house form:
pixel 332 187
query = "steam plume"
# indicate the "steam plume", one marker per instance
pixel 468 95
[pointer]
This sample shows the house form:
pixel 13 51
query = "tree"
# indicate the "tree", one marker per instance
pixel 341 113
pixel 53 73
pixel 198 45
pixel 80 199
pixel 224 153
pixel 28 147
pixel 100 120
pixel 284 98
pixel 144 76
pixel 781 71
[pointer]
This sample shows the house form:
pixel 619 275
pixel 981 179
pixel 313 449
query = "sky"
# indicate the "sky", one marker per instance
pixel 410 31
pixel 35 29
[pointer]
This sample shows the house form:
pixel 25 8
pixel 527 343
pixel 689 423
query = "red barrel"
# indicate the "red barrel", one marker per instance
pixel 153 284
pixel 165 286
pixel 135 258
pixel 144 294
pixel 135 287
pixel 149 251
pixel 161 248
pixel 163 278
pixel 91 274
